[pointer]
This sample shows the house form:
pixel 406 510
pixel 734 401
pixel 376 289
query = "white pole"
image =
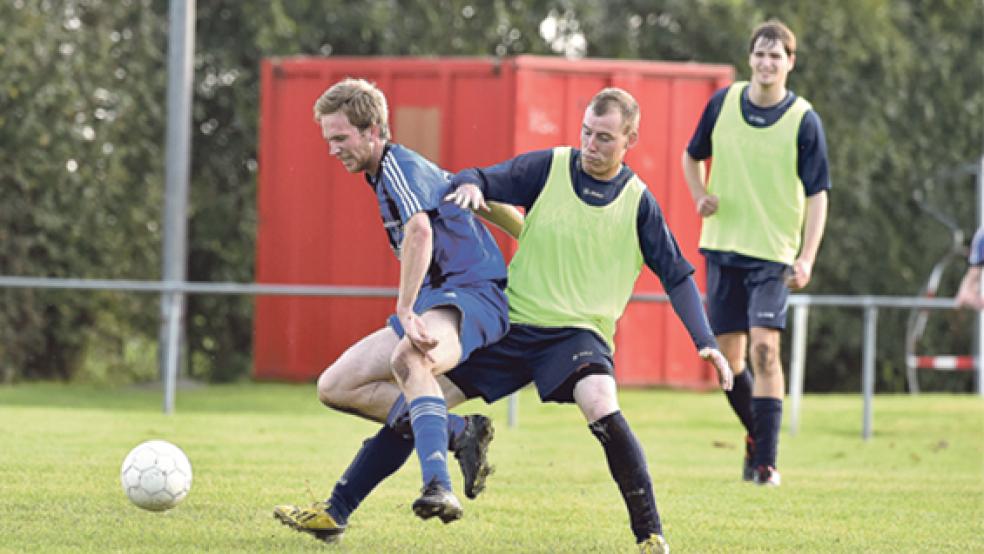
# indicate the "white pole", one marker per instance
pixel 513 417
pixel 868 368
pixel 797 366
pixel 180 71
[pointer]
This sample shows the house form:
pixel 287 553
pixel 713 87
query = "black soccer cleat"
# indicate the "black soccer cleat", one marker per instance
pixel 471 450
pixel 437 501
pixel 748 467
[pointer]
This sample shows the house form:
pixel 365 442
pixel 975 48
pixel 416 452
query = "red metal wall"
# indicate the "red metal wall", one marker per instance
pixel 319 225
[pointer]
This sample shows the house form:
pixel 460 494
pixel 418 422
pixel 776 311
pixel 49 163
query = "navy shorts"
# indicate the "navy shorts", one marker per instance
pixel 484 311
pixel 750 295
pixel 553 358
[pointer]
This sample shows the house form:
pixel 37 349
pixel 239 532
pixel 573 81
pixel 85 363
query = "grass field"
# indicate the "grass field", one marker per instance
pixel 917 486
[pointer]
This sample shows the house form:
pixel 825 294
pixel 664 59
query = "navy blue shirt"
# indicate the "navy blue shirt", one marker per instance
pixel 977 248
pixel 811 147
pixel 464 251
pixel 520 181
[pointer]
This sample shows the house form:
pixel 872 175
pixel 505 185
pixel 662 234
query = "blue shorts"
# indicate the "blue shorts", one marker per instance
pixel 553 358
pixel 749 295
pixel 483 307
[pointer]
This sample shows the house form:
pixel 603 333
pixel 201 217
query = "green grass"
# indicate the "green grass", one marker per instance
pixel 917 486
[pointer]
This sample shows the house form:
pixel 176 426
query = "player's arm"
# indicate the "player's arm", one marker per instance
pixel 699 149
pixel 415 258
pixel 503 216
pixel 518 182
pixel 969 295
pixel 816 220
pixel 695 174
pixel 662 254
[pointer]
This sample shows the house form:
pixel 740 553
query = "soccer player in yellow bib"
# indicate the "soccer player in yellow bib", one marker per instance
pixel 764 207
pixel 591 224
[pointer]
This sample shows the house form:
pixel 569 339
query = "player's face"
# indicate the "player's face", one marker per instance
pixel 352 146
pixel 770 63
pixel 604 143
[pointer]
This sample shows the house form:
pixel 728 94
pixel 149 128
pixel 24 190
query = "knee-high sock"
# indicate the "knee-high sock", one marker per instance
pixel 399 420
pixel 429 420
pixel 740 398
pixel 627 464
pixel 768 420
pixel 379 457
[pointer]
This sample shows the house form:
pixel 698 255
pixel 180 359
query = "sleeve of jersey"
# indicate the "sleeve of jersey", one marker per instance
pixel 659 248
pixel 518 181
pixel 811 160
pixel 977 248
pixel 685 299
pixel 404 186
pixel 699 146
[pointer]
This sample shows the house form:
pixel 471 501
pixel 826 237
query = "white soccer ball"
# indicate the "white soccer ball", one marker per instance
pixel 156 475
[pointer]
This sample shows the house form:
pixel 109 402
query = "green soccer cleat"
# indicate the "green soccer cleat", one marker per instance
pixel 314 520
pixel 655 544
pixel 437 501
pixel 471 450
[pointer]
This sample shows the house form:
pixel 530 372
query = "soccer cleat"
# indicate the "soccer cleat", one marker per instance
pixel 437 501
pixel 767 476
pixel 748 467
pixel 471 449
pixel 655 544
pixel 314 520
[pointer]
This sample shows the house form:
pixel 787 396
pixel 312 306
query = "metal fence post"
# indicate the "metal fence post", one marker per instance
pixel 797 366
pixel 513 409
pixel 868 367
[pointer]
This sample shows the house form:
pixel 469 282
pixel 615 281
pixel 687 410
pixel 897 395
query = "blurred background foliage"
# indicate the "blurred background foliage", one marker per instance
pixel 899 85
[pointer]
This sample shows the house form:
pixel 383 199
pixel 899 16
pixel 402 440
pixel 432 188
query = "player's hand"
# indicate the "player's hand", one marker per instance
pixel 469 197
pixel 707 205
pixel 416 331
pixel 725 377
pixel 798 274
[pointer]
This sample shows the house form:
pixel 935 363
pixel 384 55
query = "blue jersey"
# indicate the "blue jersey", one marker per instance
pixel 977 248
pixel 520 181
pixel 811 162
pixel 464 251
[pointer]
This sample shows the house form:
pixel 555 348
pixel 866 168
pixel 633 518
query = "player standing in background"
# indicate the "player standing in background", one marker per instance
pixel 451 301
pixel 970 295
pixel 591 224
pixel 764 210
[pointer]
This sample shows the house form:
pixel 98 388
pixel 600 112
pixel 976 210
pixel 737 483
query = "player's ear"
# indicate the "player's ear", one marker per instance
pixel 792 61
pixel 633 139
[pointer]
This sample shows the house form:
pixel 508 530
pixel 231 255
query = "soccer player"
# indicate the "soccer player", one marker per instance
pixel 970 294
pixel 451 301
pixel 591 224
pixel 764 208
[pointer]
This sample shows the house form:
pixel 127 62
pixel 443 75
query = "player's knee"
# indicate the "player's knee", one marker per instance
pixel 332 391
pixel 402 360
pixel 765 356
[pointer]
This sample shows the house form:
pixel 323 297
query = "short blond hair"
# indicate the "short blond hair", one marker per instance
pixel 360 101
pixel 620 99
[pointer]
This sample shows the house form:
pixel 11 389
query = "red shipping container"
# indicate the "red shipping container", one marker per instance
pixel 320 225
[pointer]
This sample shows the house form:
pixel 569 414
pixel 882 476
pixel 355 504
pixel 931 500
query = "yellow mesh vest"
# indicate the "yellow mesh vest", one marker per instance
pixel 753 173
pixel 576 264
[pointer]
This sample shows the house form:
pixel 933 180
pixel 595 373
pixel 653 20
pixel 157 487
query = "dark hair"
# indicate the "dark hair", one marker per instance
pixel 774 30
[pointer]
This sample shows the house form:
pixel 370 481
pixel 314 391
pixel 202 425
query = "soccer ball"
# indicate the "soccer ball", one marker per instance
pixel 156 475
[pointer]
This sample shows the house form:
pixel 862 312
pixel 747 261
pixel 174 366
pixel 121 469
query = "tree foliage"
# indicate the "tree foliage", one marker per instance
pixel 82 114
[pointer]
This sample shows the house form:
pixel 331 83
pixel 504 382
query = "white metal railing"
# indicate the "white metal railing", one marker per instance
pixel 174 291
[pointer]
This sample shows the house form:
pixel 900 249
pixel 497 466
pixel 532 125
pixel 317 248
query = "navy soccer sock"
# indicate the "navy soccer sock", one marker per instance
pixel 740 398
pixel 627 464
pixel 399 420
pixel 429 420
pixel 768 420
pixel 379 457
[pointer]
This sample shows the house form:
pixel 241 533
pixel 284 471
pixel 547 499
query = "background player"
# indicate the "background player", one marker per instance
pixel 767 190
